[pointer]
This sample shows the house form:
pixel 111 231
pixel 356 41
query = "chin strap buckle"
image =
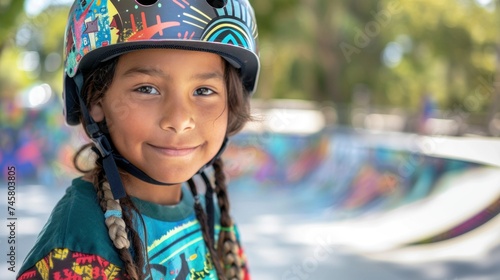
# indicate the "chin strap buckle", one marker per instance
pixel 108 163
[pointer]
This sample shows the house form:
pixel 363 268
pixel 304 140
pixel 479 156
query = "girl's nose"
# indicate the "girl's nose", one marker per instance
pixel 177 115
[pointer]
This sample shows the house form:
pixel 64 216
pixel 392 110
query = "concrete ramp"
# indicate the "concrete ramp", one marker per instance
pixel 391 203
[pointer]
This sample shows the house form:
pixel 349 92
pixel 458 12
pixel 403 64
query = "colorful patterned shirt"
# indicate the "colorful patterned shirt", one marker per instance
pixel 74 246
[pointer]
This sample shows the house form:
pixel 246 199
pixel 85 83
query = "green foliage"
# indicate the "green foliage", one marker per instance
pixel 324 50
pixel 9 15
pixel 43 34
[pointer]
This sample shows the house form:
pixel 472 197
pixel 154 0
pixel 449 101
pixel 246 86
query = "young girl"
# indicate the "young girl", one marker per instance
pixel 158 87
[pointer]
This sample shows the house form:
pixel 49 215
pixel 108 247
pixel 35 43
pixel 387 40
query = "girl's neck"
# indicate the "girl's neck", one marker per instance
pixel 163 195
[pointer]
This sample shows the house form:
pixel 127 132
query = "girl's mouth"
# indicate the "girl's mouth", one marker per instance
pixel 174 151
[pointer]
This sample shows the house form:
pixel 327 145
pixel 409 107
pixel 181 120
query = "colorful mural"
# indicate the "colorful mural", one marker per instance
pixel 37 142
pixel 335 162
pixel 337 172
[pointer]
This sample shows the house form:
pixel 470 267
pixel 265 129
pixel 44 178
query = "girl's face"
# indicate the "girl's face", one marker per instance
pixel 166 111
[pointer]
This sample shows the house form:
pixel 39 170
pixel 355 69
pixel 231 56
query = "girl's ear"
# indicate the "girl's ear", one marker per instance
pixel 97 112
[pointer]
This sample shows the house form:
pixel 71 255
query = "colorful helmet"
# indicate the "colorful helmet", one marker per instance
pixel 99 30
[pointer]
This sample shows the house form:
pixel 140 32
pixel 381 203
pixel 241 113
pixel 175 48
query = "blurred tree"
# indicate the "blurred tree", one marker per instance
pixel 449 52
pixel 10 10
pixel 32 53
pixel 387 53
pixel 393 51
pixel 298 39
pixel 495 107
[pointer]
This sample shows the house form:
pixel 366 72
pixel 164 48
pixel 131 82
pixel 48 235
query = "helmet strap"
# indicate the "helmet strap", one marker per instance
pixel 209 205
pixel 103 145
pixel 135 171
pixel 218 155
pixel 126 165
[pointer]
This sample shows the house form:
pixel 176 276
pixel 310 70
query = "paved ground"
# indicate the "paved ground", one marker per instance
pixel 285 241
pixel 284 245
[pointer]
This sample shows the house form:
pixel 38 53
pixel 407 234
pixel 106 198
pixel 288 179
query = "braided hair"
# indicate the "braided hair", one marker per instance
pixel 118 221
pixel 118 213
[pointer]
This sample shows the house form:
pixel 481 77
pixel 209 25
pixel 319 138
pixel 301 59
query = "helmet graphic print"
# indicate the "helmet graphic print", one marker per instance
pixel 99 30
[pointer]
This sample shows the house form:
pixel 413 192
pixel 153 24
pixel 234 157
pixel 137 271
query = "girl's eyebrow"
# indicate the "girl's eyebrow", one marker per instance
pixel 146 71
pixel 207 76
pixel 159 73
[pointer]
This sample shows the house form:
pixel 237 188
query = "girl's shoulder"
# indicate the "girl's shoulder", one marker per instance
pixel 76 223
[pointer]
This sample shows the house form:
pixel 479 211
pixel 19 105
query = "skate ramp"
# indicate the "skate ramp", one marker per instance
pixel 371 192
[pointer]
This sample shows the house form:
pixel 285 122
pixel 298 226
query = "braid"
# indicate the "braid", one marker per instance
pixel 77 156
pixel 137 244
pixel 114 221
pixel 119 223
pixel 202 219
pixel 227 247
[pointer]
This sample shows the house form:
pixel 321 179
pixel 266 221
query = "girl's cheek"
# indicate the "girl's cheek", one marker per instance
pixel 121 109
pixel 214 112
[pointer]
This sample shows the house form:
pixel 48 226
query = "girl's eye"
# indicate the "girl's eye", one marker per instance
pixel 147 90
pixel 203 92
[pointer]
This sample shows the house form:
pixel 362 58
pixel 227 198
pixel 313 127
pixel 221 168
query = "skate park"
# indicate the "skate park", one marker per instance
pixel 389 170
pixel 333 202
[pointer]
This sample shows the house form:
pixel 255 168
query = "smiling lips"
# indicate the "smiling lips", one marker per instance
pixel 175 151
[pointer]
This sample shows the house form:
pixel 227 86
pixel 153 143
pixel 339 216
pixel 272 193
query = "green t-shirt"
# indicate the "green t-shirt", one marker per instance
pixel 175 244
